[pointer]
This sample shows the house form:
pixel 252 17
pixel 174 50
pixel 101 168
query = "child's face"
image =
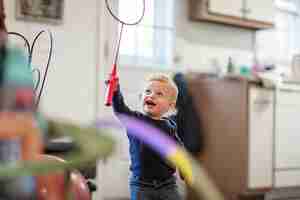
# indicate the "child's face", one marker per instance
pixel 157 99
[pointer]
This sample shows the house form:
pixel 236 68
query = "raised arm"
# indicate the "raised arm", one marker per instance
pixel 119 106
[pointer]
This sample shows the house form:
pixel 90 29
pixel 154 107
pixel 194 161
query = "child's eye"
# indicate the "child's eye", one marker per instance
pixel 147 91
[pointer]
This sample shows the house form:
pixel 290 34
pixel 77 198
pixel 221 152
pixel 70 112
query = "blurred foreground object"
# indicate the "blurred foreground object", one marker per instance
pixel 21 140
pixel 53 185
pixel 20 136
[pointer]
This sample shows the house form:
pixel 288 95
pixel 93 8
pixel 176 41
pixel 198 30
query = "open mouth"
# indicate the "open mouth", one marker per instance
pixel 150 103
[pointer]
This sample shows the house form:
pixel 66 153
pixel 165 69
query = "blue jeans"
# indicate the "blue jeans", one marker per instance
pixel 154 190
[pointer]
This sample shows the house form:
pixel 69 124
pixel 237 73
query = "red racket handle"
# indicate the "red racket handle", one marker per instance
pixel 110 90
pixel 112 84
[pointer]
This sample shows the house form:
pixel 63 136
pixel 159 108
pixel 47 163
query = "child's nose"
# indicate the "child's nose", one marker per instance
pixel 150 95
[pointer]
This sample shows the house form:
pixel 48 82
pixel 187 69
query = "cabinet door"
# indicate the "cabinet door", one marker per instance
pixel 287 130
pixel 260 10
pixel 226 7
pixel 287 140
pixel 261 112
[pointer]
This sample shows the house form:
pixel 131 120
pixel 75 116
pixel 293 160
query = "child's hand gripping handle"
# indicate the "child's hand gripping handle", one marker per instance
pixel 111 86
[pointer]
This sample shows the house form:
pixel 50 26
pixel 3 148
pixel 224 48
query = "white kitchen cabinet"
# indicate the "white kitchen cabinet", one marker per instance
pixel 250 14
pixel 260 10
pixel 229 7
pixel 287 137
pixel 260 125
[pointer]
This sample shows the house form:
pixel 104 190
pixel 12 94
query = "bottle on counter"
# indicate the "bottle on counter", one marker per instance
pixel 245 71
pixel 230 66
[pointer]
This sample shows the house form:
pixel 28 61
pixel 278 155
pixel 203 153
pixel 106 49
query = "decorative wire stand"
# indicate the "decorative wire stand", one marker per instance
pixel 30 49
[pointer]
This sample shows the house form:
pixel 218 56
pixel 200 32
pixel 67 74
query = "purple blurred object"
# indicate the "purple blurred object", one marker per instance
pixel 148 134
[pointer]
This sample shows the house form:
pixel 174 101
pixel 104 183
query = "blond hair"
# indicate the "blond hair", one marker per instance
pixel 163 78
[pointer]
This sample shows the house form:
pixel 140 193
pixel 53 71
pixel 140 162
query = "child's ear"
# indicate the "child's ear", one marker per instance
pixel 173 105
pixel 172 110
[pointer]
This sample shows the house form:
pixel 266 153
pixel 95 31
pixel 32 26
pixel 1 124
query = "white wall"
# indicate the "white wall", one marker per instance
pixel 199 45
pixel 71 85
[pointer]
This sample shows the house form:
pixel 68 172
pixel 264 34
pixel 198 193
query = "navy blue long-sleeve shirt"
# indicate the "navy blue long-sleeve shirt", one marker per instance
pixel 146 163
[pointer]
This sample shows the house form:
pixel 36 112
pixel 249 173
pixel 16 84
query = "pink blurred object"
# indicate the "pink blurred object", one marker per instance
pixel 53 186
pixel 79 187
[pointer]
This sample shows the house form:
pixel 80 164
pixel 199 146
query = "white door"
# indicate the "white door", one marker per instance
pixel 260 10
pixel 226 7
